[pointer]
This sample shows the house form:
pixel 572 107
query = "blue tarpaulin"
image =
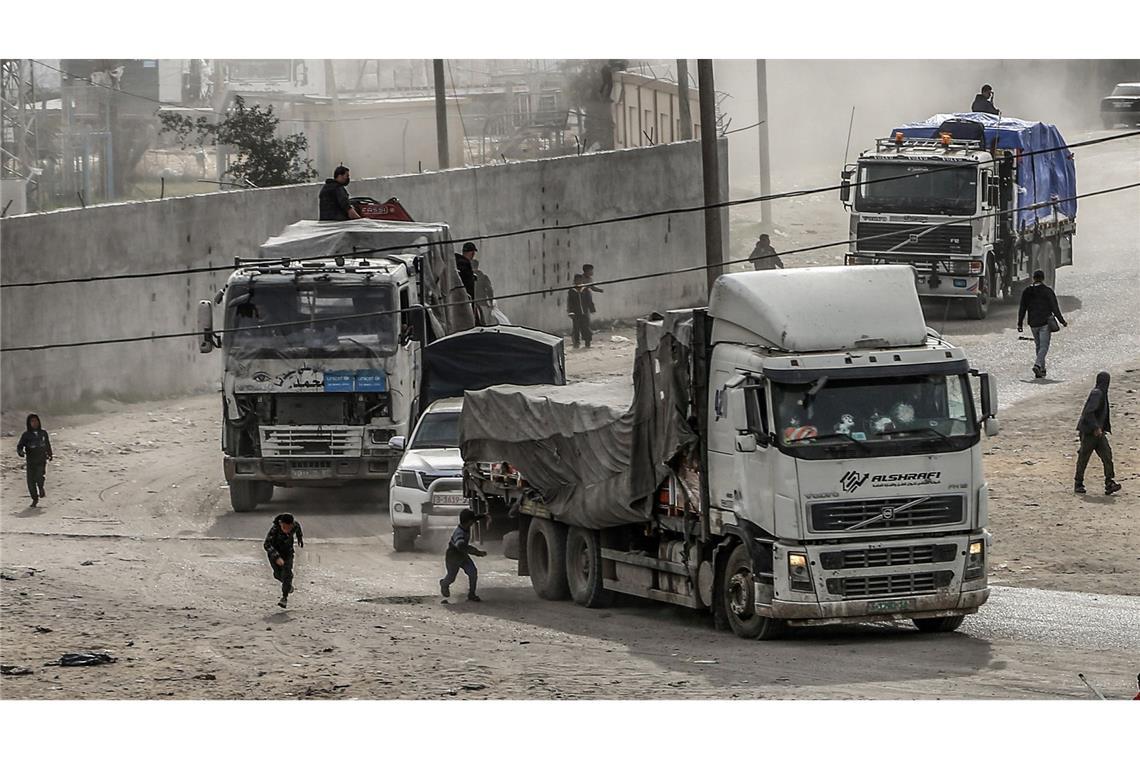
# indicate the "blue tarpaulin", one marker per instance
pixel 1047 175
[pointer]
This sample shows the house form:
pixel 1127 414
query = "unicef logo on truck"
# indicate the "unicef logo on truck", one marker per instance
pixel 853 480
pixel 361 381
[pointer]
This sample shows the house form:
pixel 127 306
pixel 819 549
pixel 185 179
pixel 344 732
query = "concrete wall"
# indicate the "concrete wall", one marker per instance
pixel 211 229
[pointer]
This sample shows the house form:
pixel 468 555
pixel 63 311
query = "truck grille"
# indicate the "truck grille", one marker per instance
pixel 841 515
pixel 952 239
pixel 888 556
pixel 889 585
pixel 310 441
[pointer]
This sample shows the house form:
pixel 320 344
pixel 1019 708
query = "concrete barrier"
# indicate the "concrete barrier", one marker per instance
pixel 209 230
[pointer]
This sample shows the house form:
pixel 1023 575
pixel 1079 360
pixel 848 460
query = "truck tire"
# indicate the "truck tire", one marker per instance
pixel 404 539
pixel 938 624
pixel 263 491
pixel 1049 258
pixel 243 495
pixel 979 306
pixel 739 596
pixel 546 555
pixel 584 568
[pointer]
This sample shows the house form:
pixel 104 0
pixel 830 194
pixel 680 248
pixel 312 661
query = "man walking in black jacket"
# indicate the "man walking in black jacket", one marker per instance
pixel 1094 427
pixel 35 445
pixel 458 557
pixel 1039 302
pixel 334 205
pixel 279 549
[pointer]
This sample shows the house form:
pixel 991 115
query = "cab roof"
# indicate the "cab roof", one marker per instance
pixel 308 238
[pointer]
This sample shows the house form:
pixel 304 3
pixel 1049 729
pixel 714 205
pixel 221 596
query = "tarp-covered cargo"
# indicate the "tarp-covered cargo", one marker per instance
pixel 593 461
pixel 1047 175
pixel 485 356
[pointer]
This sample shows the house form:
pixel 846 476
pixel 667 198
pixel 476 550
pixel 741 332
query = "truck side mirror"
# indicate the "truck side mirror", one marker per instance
pixel 845 186
pixel 746 442
pixel 734 406
pixel 991 426
pixel 206 341
pixel 989 395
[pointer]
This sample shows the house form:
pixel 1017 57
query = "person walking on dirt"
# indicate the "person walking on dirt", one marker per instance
pixel 35 445
pixel 578 305
pixel 1039 303
pixel 279 548
pixel 1094 427
pixel 764 255
pixel 458 557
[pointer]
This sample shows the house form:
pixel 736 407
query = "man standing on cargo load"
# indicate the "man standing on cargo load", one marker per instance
pixel 1040 303
pixel 984 101
pixel 333 200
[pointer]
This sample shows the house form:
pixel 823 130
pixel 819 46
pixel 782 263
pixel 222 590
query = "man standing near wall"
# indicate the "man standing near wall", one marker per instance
pixel 333 200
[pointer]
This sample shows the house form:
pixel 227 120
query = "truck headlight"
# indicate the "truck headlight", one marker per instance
pixel 798 572
pixel 408 479
pixel 976 560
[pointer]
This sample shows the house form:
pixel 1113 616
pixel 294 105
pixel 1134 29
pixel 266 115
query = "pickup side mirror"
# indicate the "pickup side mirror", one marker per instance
pixel 396 442
pixel 207 341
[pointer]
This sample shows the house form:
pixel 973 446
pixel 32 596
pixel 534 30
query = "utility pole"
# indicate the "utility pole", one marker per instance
pixel 440 114
pixel 714 246
pixel 686 117
pixel 762 117
pixel 219 96
pixel 336 133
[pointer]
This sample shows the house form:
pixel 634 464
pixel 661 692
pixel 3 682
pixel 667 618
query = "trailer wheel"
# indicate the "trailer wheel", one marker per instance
pixel 404 539
pixel 584 568
pixel 546 555
pixel 739 594
pixel 243 495
pixel 939 624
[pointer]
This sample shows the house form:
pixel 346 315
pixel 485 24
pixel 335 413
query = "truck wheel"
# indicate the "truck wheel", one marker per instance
pixel 979 306
pixel 546 555
pixel 263 491
pixel 404 539
pixel 584 568
pixel 739 593
pixel 938 624
pixel 1048 263
pixel 243 495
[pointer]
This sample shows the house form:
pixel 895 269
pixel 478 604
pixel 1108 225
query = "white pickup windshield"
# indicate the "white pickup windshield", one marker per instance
pixel 437 430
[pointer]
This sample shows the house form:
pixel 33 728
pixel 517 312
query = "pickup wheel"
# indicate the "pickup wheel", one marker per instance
pixel 404 539
pixel 546 555
pixel 938 624
pixel 243 495
pixel 584 568
pixel 738 592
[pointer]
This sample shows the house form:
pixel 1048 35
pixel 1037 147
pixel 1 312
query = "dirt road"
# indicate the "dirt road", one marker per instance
pixel 135 551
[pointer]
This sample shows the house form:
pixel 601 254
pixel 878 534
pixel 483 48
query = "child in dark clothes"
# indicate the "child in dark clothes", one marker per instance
pixel 279 548
pixel 458 557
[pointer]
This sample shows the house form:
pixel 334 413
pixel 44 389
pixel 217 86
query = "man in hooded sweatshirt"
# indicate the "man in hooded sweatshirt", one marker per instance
pixel 1094 427
pixel 35 445
pixel 984 101
pixel 279 548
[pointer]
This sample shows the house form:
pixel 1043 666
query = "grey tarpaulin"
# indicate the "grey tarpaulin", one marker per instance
pixel 595 461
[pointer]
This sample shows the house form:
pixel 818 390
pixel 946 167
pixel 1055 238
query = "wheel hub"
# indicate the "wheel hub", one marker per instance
pixel 740 592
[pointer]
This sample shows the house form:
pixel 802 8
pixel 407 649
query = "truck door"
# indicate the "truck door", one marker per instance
pixel 739 450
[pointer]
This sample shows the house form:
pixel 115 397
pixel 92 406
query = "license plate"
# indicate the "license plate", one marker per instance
pixel 891 605
pixel 309 474
pixel 449 500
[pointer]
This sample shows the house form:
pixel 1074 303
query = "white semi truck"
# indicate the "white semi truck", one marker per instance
pixel 974 202
pixel 804 451
pixel 322 350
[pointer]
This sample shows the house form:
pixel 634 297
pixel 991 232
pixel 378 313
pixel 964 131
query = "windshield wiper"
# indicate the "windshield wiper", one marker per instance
pixel 826 436
pixel 937 432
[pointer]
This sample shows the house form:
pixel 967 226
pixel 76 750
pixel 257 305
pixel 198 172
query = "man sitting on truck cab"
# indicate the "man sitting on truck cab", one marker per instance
pixel 984 101
pixel 333 200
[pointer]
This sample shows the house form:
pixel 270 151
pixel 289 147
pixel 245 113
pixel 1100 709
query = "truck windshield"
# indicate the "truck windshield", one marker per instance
pixel 917 189
pixel 438 430
pixel 324 317
pixel 874 416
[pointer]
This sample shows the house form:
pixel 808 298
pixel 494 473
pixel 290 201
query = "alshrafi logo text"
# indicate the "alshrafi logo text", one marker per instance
pixel 853 479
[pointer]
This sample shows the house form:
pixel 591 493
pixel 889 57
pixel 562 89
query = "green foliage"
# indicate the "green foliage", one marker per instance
pixel 263 159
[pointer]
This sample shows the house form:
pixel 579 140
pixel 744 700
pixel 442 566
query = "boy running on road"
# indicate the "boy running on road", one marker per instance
pixel 458 557
pixel 279 548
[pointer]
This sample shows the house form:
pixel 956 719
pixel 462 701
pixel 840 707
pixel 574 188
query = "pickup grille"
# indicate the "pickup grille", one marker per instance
pixel 427 480
pixel 310 441
pixel 888 556
pixel 841 515
pixel 952 239
pixel 889 585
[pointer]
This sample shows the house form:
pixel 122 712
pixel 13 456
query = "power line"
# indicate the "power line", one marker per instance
pixel 556 288
pixel 575 225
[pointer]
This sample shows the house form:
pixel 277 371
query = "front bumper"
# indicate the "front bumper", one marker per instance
pixel 861 611
pixel 412 508
pixel 934 276
pixel 309 471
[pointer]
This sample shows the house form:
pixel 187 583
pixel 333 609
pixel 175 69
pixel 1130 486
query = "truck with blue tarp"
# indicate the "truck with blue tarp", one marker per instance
pixel 322 350
pixel 974 202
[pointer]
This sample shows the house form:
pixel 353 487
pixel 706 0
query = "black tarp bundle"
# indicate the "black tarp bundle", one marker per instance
pixel 595 463
pixel 486 356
